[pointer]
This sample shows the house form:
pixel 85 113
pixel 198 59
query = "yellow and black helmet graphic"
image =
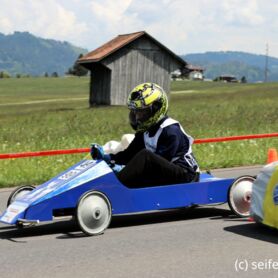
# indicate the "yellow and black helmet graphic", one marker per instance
pixel 151 97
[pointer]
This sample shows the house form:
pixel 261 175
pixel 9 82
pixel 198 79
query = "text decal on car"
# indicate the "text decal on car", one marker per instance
pixel 58 182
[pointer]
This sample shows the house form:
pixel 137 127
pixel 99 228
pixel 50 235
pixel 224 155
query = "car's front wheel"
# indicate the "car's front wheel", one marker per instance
pixel 93 213
pixel 19 192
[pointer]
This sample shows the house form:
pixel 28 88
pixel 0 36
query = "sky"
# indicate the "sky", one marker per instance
pixel 184 26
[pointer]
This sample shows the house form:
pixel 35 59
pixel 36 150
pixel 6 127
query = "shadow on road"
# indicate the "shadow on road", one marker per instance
pixel 255 231
pixel 69 229
pixel 15 234
pixel 169 216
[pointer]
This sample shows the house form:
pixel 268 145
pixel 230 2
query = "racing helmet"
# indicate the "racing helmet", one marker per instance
pixel 148 104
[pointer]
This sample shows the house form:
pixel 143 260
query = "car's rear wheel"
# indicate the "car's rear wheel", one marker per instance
pixel 19 192
pixel 93 213
pixel 239 196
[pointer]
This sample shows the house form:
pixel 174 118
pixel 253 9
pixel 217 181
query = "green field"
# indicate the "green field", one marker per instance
pixel 52 113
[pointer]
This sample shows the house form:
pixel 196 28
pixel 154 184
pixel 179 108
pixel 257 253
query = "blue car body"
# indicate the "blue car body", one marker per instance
pixel 63 192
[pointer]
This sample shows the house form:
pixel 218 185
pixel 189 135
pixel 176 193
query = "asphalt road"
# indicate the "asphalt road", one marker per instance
pixel 200 242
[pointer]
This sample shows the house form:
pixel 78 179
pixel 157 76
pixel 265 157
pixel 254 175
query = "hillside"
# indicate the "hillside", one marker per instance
pixel 24 53
pixel 240 64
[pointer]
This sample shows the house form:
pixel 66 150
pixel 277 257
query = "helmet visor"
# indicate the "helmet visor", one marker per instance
pixel 141 115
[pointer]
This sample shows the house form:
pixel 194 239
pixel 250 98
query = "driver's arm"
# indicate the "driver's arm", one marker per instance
pixel 126 155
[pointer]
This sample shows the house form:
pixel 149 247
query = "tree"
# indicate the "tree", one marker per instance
pixel 54 74
pixel 243 79
pixel 77 69
pixel 4 74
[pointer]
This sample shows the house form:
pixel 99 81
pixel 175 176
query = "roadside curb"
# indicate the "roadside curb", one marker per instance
pixel 242 170
pixel 6 189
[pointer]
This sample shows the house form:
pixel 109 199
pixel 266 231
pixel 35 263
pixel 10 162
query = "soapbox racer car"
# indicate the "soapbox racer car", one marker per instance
pixel 91 192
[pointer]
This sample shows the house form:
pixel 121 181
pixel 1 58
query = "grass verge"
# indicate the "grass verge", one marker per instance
pixel 52 113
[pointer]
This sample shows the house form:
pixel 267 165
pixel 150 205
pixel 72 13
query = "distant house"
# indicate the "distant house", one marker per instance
pixel 126 61
pixel 193 72
pixel 226 78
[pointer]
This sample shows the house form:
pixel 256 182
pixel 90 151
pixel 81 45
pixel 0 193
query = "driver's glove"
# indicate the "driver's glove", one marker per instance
pixel 97 152
pixel 117 168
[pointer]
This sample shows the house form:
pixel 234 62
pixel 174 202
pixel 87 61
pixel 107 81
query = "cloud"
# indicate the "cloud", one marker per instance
pixel 44 18
pixel 112 17
pixel 110 11
pixel 184 26
pixel 200 25
pixel 5 24
pixel 237 12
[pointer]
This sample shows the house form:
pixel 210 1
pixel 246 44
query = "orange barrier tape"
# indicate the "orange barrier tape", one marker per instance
pixel 86 150
pixel 43 153
pixel 233 138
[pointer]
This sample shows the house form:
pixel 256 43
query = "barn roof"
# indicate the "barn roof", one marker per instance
pixel 117 43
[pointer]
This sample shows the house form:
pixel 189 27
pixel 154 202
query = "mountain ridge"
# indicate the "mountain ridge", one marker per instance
pixel 26 54
pixel 236 63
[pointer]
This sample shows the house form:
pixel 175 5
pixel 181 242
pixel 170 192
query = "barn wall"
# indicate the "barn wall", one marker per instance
pixel 141 61
pixel 100 85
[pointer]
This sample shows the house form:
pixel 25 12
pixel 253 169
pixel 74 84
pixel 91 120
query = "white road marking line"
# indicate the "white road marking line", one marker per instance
pixel 41 101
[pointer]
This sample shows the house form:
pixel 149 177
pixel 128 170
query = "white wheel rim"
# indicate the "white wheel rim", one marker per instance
pixel 94 213
pixel 21 193
pixel 240 196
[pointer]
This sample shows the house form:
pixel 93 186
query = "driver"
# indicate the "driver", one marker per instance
pixel 160 152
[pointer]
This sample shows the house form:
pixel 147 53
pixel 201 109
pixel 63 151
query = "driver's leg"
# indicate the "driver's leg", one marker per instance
pixel 149 169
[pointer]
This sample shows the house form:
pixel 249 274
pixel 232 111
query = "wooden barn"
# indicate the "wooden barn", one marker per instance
pixel 126 61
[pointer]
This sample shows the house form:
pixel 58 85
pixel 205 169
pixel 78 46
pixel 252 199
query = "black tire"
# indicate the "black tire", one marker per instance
pixel 239 195
pixel 18 191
